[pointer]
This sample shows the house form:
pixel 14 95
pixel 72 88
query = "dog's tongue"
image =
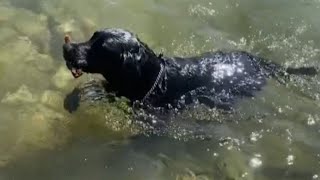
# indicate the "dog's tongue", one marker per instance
pixel 76 72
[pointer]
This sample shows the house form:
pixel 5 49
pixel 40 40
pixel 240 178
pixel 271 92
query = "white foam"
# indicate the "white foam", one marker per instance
pixel 223 70
pixel 122 35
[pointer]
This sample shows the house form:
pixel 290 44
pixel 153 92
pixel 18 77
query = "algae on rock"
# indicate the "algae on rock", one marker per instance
pixel 105 119
pixel 36 127
pixel 62 78
pixel 33 26
pixel 24 65
pixel 53 99
pixel 22 95
pixel 100 112
pixel 232 164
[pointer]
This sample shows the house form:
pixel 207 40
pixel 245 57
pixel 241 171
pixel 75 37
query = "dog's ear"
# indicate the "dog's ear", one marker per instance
pixel 96 35
pixel 112 47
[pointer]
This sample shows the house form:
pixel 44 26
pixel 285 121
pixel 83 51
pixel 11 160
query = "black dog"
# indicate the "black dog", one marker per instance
pixel 133 70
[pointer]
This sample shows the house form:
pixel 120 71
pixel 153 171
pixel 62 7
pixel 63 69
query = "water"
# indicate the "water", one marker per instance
pixel 272 136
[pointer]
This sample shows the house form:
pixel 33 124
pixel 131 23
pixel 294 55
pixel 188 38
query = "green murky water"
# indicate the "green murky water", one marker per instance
pixel 273 136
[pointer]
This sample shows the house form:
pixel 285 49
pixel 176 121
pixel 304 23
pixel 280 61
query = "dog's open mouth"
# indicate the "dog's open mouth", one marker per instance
pixel 76 72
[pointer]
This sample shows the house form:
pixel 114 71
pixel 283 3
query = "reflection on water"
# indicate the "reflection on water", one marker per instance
pixel 272 136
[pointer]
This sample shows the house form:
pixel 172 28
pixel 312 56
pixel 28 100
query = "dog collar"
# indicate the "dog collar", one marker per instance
pixel 154 84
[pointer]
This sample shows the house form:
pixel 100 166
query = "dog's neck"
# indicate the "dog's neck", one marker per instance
pixel 136 73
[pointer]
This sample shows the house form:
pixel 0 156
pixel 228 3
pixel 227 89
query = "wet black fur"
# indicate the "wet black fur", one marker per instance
pixel 131 68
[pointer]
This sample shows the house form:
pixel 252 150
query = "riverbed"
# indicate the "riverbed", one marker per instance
pixel 274 135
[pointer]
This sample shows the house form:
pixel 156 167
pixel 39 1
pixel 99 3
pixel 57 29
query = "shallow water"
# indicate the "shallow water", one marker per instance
pixel 272 136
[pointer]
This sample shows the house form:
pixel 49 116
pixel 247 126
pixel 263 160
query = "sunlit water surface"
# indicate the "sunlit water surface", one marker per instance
pixel 272 136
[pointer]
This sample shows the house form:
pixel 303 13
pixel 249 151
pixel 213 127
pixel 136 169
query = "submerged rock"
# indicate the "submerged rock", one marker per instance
pixel 7 34
pixel 31 127
pixel 2 69
pixel 16 50
pixel 33 26
pixel 22 95
pixel 41 62
pixel 6 13
pixel 53 99
pixel 74 14
pixel 30 123
pixel 232 164
pixel 100 112
pixel 43 127
pixel 190 175
pixel 24 65
pixel 62 78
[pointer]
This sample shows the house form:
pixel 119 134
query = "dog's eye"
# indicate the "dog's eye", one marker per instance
pixel 69 64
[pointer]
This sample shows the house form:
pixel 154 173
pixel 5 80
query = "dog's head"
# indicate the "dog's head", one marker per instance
pixel 75 56
pixel 107 50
